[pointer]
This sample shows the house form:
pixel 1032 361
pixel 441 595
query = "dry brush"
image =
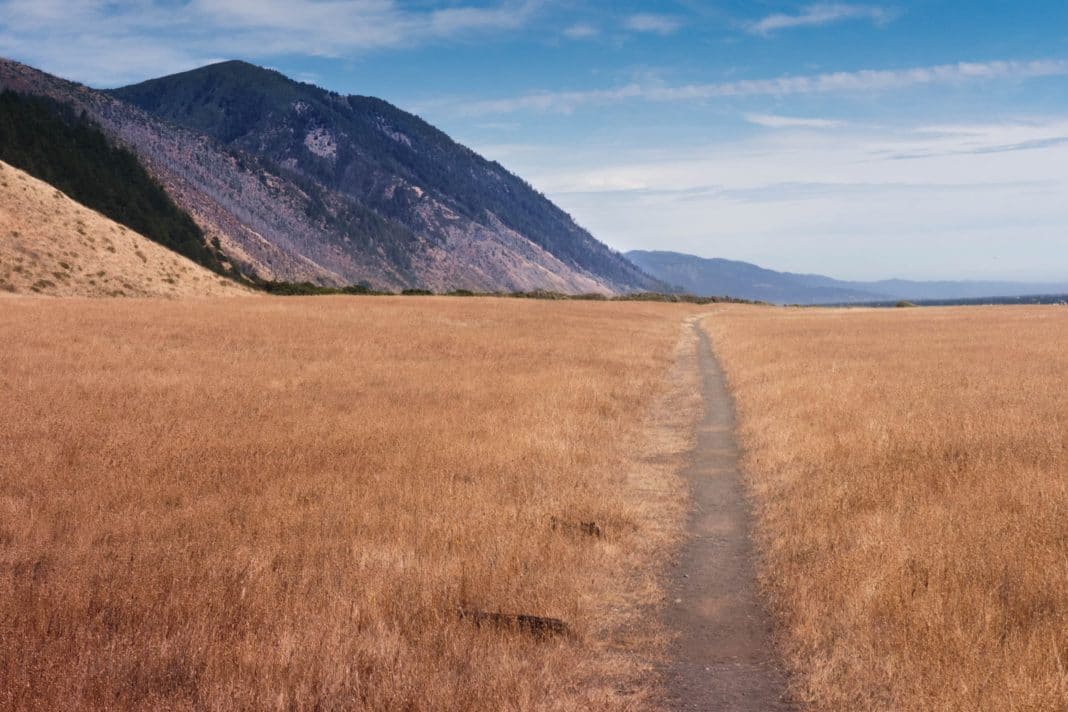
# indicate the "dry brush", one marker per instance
pixel 285 503
pixel 910 470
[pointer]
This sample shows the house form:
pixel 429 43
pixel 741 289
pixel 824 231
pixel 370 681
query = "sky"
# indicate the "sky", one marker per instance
pixel 923 139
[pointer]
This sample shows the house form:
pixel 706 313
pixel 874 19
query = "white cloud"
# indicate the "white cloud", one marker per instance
pixel 975 201
pixel 773 121
pixel 581 31
pixel 866 156
pixel 106 43
pixel 648 22
pixel 861 81
pixel 818 15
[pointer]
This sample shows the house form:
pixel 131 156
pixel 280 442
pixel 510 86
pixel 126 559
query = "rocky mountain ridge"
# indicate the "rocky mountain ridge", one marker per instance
pixel 299 184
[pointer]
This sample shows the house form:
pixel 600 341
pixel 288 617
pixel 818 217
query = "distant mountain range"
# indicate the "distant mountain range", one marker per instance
pixel 247 172
pixel 291 182
pixel 713 277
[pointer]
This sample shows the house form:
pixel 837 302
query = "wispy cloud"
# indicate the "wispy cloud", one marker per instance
pixel 978 200
pixel 865 156
pixel 649 22
pixel 980 139
pixel 580 31
pixel 818 15
pixel 861 81
pixel 773 121
pixel 107 42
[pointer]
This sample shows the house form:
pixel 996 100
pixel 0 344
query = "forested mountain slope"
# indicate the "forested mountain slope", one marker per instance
pixel 388 160
pixel 50 142
pixel 295 183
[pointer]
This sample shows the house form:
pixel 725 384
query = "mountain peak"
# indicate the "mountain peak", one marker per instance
pixel 226 66
pixel 293 182
pixel 377 156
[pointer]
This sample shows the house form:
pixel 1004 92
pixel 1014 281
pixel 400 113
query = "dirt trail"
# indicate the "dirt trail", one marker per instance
pixel 723 658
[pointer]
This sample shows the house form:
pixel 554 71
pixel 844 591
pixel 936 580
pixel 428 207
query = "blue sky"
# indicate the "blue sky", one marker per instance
pixel 922 139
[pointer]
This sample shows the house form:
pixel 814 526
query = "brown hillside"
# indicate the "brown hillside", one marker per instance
pixel 368 223
pixel 51 245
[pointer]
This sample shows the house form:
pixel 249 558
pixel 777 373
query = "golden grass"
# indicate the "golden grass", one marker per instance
pixel 282 503
pixel 51 245
pixel 910 469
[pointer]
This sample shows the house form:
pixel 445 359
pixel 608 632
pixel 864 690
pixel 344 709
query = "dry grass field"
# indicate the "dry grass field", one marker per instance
pixel 51 245
pixel 283 503
pixel 910 469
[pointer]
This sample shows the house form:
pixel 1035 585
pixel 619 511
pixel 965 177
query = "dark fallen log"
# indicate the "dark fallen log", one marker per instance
pixel 538 626
pixel 591 529
pixel 587 528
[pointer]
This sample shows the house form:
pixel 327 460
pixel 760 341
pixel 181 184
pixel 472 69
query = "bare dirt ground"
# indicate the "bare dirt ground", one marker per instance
pixel 723 657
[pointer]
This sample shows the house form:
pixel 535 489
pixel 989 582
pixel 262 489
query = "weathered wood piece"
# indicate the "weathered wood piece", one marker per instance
pixel 588 528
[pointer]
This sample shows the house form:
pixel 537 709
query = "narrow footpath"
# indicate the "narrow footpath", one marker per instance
pixel 723 657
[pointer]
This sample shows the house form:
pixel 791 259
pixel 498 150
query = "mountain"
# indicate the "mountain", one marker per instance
pixel 720 277
pixel 435 196
pixel 52 245
pixel 258 219
pixel 292 182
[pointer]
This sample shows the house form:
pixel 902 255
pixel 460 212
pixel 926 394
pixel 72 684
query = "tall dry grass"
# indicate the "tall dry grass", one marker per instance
pixel 910 469
pixel 282 503
pixel 51 245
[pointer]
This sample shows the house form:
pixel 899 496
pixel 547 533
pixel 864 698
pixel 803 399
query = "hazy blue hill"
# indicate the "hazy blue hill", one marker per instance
pixel 715 277
pixel 385 158
pixel 963 290
pixel 720 277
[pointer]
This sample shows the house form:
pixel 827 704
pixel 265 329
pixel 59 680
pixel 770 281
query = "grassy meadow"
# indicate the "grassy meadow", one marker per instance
pixel 284 503
pixel 910 473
